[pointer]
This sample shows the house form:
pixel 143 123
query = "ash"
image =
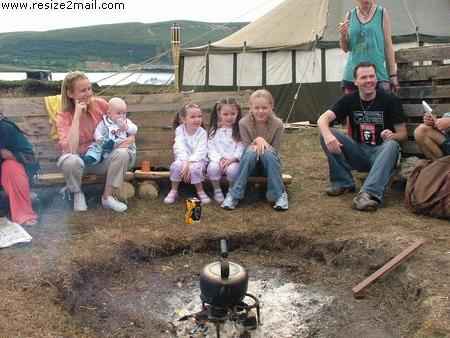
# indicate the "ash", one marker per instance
pixel 287 310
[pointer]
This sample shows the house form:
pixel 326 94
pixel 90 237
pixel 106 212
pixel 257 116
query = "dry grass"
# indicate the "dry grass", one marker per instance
pixel 67 241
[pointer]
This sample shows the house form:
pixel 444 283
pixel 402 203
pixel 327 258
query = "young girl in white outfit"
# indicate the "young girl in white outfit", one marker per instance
pixel 190 150
pixel 224 144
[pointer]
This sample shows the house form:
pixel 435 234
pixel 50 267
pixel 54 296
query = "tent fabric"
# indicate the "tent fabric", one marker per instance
pixel 194 71
pixel 276 29
pixel 221 70
pixel 249 69
pixel 308 66
pixel 279 68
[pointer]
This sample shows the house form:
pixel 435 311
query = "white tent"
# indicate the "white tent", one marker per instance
pixel 297 43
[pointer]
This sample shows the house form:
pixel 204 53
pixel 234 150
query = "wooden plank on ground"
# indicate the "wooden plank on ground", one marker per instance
pixel 429 53
pixel 389 266
pixel 424 92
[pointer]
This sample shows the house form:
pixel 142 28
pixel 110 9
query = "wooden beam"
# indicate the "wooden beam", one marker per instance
pixel 424 92
pixel 430 53
pixel 416 110
pixel 158 175
pixel 389 266
pixel 58 178
pixel 425 73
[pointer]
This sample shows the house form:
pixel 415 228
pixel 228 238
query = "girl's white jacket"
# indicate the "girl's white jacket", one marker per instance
pixel 222 145
pixel 192 148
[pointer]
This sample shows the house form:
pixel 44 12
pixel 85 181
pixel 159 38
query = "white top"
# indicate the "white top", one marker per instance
pixel 222 145
pixel 192 148
pixel 107 129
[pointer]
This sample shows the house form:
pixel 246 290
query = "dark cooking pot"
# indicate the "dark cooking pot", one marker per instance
pixel 223 283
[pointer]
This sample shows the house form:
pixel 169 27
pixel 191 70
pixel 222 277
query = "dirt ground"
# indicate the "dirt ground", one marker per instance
pixel 48 288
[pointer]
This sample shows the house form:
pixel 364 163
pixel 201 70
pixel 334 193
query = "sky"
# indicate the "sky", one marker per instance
pixel 52 16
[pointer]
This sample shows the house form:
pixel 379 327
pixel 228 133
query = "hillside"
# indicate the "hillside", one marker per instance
pixel 116 44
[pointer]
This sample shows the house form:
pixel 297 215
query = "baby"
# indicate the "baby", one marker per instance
pixel 114 129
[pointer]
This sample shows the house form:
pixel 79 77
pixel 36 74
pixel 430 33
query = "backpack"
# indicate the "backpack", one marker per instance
pixel 428 188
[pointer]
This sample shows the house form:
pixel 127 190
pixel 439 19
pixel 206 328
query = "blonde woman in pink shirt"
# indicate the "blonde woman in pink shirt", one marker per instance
pixel 81 112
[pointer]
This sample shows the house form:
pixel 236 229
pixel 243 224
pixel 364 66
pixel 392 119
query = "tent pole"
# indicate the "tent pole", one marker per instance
pixel 176 43
pixel 244 51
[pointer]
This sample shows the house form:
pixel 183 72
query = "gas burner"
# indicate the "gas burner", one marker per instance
pixel 224 297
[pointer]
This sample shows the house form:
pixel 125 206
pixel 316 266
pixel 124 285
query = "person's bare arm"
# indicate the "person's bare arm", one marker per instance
pixel 400 134
pixel 343 32
pixel 324 121
pixel 73 138
pixel 389 50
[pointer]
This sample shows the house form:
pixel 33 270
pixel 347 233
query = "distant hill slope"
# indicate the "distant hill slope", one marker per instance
pixel 119 44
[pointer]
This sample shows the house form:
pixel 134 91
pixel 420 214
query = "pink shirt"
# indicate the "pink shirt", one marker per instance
pixel 88 123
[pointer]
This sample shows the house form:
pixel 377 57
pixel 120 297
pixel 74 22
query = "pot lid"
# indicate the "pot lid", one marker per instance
pixel 213 270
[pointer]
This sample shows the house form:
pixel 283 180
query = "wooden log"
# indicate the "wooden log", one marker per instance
pixel 158 175
pixel 389 266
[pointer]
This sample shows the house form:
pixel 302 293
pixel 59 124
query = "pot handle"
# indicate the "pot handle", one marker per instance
pixel 223 248
pixel 224 269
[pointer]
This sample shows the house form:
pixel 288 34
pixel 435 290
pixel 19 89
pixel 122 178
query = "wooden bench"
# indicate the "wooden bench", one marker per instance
pixel 424 74
pixel 152 113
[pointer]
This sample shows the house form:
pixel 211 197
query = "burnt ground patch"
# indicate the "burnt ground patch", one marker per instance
pixel 127 297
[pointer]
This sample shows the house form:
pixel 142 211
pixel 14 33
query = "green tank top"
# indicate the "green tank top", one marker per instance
pixel 366 44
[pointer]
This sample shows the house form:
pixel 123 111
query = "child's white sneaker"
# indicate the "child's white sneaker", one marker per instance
pixel 229 203
pixel 79 202
pixel 203 197
pixel 111 203
pixel 218 196
pixel 171 197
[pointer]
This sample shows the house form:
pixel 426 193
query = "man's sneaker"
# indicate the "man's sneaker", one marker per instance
pixel 364 202
pixel 79 202
pixel 218 196
pixel 282 202
pixel 203 197
pixel 229 202
pixel 111 203
pixel 334 191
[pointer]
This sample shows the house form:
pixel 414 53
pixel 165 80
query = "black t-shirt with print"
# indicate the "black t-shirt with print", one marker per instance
pixel 369 118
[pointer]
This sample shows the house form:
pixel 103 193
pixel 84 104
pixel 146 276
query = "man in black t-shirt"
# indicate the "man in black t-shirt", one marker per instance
pixel 377 126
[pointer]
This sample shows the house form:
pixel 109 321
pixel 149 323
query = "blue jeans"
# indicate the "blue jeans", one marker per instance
pixel 271 167
pixel 379 161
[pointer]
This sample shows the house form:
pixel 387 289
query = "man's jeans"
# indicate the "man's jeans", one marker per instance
pixel 271 167
pixel 379 161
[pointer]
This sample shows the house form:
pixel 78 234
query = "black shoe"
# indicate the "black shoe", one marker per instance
pixel 332 191
pixel 365 202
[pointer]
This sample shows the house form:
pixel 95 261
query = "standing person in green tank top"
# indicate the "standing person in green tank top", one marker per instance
pixel 366 35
